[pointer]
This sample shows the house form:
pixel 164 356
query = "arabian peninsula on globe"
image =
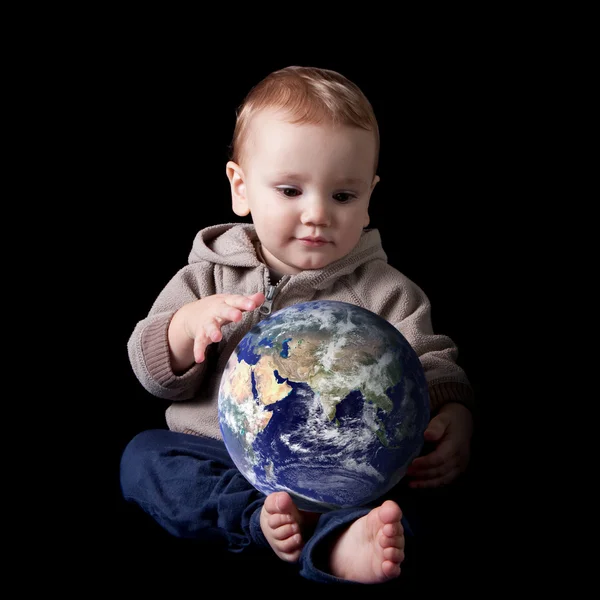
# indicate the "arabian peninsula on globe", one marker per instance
pixel 324 400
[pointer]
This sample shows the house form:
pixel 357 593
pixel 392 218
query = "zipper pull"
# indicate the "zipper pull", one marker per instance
pixel 265 308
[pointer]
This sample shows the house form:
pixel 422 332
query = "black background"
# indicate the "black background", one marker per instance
pixel 157 120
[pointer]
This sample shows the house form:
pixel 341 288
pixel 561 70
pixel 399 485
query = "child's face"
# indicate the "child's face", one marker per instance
pixel 303 182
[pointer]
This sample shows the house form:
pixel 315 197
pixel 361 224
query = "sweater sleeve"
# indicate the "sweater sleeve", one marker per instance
pixel 148 347
pixel 438 354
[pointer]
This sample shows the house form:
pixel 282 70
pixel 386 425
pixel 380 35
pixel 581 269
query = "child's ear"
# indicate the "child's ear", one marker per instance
pixel 376 180
pixel 239 201
pixel 367 219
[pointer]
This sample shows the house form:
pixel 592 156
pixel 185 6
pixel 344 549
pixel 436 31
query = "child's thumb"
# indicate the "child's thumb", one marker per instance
pixel 435 430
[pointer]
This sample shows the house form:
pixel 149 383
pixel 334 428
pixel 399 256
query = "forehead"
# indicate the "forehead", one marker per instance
pixel 273 137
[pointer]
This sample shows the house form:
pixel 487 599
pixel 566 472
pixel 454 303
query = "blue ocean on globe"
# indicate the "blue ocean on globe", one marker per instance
pixel 325 400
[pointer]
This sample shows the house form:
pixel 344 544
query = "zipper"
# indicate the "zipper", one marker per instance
pixel 272 291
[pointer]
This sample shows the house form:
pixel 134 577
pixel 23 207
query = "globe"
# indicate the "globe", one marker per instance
pixel 325 400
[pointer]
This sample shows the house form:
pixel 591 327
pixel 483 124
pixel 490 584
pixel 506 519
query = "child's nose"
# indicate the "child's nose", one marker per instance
pixel 316 212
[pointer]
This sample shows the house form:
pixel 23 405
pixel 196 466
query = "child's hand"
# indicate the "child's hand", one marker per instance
pixel 198 324
pixel 450 431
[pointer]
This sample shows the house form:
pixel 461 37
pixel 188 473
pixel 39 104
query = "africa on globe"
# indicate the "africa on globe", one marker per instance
pixel 325 400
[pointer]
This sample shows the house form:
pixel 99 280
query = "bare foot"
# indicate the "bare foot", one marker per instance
pixel 281 524
pixel 372 548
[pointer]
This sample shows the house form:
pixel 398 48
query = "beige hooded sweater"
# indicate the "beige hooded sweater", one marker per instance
pixel 224 259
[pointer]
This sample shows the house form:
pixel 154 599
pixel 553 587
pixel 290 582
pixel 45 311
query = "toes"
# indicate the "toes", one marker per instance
pixel 390 569
pixel 396 541
pixel 284 502
pixel 278 502
pixel 291 544
pixel 389 512
pixel 285 531
pixel 278 519
pixel 393 529
pixel 394 555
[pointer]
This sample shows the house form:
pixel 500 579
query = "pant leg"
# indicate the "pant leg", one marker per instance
pixel 190 487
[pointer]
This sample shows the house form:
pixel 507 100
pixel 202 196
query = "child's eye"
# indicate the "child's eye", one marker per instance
pixel 343 197
pixel 289 192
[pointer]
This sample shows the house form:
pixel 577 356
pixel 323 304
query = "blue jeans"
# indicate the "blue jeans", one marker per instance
pixel 190 486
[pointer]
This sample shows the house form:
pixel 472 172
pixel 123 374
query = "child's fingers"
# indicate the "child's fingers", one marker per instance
pixel 436 428
pixel 242 302
pixel 257 298
pixel 431 473
pixel 228 310
pixel 213 332
pixel 199 348
pixel 228 313
pixel 433 460
pixel 423 468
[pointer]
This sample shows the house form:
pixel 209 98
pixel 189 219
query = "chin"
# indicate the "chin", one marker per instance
pixel 314 265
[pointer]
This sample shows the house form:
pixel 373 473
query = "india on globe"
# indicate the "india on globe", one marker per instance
pixel 325 400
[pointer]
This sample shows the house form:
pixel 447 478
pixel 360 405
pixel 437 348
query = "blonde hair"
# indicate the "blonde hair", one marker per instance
pixel 308 95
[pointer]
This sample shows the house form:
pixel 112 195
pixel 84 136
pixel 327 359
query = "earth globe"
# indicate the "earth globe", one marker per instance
pixel 325 400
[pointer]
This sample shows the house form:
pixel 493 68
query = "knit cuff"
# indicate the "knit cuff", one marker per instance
pixel 451 391
pixel 157 357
